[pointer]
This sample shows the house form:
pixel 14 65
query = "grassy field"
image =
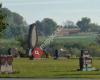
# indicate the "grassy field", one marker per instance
pixel 49 68
pixel 79 39
pixel 83 38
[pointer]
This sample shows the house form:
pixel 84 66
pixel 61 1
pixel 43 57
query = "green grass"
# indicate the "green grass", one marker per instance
pixel 49 68
pixel 79 39
pixel 84 39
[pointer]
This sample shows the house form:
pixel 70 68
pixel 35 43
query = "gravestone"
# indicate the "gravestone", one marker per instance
pixel 85 61
pixel 6 64
pixel 32 38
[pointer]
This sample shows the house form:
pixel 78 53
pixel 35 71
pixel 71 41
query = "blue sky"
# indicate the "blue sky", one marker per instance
pixel 59 10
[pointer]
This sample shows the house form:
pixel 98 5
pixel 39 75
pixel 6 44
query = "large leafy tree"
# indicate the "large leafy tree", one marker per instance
pixel 39 28
pixel 70 24
pixel 17 26
pixel 18 19
pixel 47 26
pixel 2 19
pixel 84 24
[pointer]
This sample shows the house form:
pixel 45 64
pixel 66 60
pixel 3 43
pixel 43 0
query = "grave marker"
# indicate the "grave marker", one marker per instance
pixel 32 39
pixel 85 61
pixel 6 64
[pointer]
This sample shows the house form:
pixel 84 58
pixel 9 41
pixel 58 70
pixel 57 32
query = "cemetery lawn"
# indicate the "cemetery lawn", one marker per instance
pixel 49 68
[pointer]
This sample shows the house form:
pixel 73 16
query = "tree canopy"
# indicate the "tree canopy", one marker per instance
pixel 12 24
pixel 2 19
pixel 84 24
pixel 70 24
pixel 46 27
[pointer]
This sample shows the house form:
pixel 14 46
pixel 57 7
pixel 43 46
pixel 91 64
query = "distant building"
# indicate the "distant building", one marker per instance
pixel 68 31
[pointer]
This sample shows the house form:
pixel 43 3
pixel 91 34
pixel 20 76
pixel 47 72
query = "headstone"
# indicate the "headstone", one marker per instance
pixel 6 64
pixel 85 61
pixel 32 38
pixel 2 64
pixel 9 64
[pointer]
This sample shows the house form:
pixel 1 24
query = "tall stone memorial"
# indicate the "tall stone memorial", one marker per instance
pixel 85 61
pixel 32 38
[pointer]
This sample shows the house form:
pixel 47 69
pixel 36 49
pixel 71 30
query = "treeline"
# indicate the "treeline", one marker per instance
pixel 47 26
pixel 86 25
pixel 12 25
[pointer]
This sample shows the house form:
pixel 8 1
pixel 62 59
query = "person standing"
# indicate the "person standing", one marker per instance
pixel 56 54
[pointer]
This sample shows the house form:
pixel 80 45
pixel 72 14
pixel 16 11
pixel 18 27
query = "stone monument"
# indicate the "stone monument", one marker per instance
pixel 32 38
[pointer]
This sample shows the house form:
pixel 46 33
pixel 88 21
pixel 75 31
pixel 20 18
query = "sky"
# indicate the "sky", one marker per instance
pixel 59 10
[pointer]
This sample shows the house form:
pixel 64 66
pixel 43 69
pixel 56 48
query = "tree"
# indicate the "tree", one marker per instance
pixel 2 19
pixel 39 28
pixel 46 27
pixel 0 5
pixel 17 26
pixel 84 24
pixel 49 26
pixel 18 19
pixel 70 24
pixel 94 27
pixel 17 31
